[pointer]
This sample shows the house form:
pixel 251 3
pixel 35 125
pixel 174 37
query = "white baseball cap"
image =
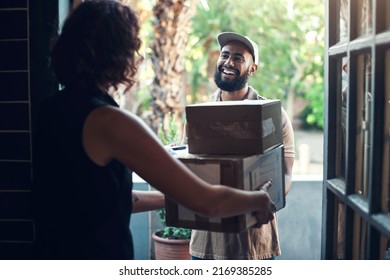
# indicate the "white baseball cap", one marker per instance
pixel 225 37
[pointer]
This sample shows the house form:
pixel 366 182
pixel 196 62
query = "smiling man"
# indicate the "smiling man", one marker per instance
pixel 237 62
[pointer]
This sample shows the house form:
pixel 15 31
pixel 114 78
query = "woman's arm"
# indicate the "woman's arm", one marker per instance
pixel 110 133
pixel 147 200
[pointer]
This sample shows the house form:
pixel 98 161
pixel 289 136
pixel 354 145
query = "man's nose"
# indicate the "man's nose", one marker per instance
pixel 229 61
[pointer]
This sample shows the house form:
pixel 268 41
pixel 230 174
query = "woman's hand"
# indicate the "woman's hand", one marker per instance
pixel 266 214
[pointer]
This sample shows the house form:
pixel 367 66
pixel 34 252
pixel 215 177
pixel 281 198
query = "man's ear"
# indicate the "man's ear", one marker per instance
pixel 252 69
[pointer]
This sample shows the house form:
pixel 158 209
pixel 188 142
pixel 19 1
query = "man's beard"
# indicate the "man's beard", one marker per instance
pixel 230 86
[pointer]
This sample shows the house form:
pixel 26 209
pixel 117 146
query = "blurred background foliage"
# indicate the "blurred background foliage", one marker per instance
pixel 290 35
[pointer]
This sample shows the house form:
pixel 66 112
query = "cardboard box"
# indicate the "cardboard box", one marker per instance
pixel 237 171
pixel 234 127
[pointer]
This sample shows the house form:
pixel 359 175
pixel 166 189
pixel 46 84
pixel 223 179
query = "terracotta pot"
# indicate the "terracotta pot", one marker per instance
pixel 171 249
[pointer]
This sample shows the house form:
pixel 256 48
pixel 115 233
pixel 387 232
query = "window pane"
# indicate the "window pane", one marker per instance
pixel 359 238
pixel 385 248
pixel 382 16
pixel 342 119
pixel 363 123
pixel 386 140
pixel 364 17
pixel 387 14
pixel 343 26
pixel 340 231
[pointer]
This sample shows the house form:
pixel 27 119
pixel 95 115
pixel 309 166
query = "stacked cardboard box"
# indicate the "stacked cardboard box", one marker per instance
pixel 231 127
pixel 238 144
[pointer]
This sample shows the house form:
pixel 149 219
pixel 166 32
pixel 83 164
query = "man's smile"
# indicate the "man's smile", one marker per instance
pixel 230 71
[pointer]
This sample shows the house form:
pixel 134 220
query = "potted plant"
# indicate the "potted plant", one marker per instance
pixel 171 243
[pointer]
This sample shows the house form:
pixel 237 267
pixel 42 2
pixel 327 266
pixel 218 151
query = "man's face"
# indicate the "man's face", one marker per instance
pixel 234 67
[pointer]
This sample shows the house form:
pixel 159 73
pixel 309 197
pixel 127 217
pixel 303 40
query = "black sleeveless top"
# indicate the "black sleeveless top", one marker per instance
pixel 82 210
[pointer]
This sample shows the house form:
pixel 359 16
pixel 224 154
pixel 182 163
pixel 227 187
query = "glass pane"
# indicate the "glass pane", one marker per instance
pixel 340 231
pixel 364 17
pixel 382 16
pixel 385 248
pixel 386 140
pixel 343 27
pixel 387 14
pixel 359 238
pixel 342 118
pixel 363 123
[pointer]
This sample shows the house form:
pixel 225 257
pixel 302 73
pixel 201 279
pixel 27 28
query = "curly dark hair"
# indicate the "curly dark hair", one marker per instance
pixel 98 46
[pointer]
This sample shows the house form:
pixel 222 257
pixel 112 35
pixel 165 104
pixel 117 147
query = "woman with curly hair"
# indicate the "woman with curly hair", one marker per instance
pixel 87 147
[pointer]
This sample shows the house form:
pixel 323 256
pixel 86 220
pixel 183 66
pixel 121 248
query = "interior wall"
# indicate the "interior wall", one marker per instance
pixel 26 27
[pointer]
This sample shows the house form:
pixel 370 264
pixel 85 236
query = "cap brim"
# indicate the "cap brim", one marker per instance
pixel 226 37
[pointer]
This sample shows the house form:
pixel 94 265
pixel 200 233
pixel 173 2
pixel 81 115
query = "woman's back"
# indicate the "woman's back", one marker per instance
pixel 83 209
